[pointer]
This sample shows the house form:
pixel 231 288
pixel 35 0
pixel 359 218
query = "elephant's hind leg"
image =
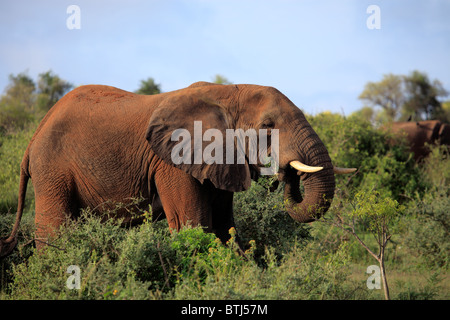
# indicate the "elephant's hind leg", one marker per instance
pixel 51 213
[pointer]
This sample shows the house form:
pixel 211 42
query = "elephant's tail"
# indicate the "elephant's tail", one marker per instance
pixel 8 244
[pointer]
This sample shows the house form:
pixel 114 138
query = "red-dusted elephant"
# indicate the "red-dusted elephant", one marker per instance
pixel 100 145
pixel 421 132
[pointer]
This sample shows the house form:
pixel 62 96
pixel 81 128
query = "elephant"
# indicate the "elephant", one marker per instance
pixel 100 145
pixel 418 133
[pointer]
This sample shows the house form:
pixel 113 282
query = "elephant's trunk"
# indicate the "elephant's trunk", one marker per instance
pixel 319 188
pixel 317 198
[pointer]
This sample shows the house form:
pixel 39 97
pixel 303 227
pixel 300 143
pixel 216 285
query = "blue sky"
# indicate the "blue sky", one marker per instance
pixel 318 53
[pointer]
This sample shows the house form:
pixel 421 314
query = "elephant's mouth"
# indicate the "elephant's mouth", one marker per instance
pixel 319 188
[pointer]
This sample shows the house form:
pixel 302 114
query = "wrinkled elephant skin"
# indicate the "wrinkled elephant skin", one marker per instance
pixel 99 146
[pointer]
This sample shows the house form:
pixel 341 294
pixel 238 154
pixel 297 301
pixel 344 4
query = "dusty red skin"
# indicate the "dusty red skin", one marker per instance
pixel 100 145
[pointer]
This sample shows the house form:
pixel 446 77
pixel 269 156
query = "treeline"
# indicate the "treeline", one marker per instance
pixel 393 98
pixel 25 100
pixel 405 97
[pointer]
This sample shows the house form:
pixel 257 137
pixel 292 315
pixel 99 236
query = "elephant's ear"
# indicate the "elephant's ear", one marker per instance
pixel 189 133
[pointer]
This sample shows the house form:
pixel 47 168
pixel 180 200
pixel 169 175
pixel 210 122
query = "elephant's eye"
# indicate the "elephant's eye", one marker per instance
pixel 268 124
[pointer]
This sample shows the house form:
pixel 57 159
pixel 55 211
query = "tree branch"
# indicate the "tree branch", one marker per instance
pixel 342 225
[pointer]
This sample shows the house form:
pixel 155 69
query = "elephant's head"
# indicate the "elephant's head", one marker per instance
pixel 227 108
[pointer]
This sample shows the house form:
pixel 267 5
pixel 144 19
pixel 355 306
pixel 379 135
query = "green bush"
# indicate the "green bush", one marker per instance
pixel 383 161
pixel 301 274
pixel 428 235
pixel 12 149
pixel 13 117
pixel 87 243
pixel 117 263
pixel 436 168
pixel 429 291
pixel 260 216
pixel 147 262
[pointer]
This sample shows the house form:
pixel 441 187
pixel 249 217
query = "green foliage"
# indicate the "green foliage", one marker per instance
pixel 387 94
pixel 149 87
pixel 406 96
pixel 16 105
pixel 300 274
pixel 378 211
pixel 207 265
pixel 423 96
pixel 428 237
pixel 87 243
pixel 13 116
pixel 354 143
pixel 148 262
pixel 12 149
pixel 260 216
pixel 373 213
pixel 51 88
pixel 429 291
pixel 443 113
pixel 24 102
pixel 219 79
pixel 436 168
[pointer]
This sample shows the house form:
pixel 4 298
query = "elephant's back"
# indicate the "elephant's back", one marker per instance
pixel 90 122
pixel 93 108
pixel 94 102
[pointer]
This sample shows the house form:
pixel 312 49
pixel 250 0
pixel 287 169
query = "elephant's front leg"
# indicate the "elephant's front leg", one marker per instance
pixel 184 199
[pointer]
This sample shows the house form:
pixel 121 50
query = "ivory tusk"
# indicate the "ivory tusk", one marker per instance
pixel 338 170
pixel 303 167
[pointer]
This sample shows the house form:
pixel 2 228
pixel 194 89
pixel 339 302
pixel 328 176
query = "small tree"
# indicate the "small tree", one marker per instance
pixel 51 88
pixel 219 79
pixel 17 103
pixel 149 87
pixel 24 100
pixel 387 94
pixel 376 213
pixel 423 96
